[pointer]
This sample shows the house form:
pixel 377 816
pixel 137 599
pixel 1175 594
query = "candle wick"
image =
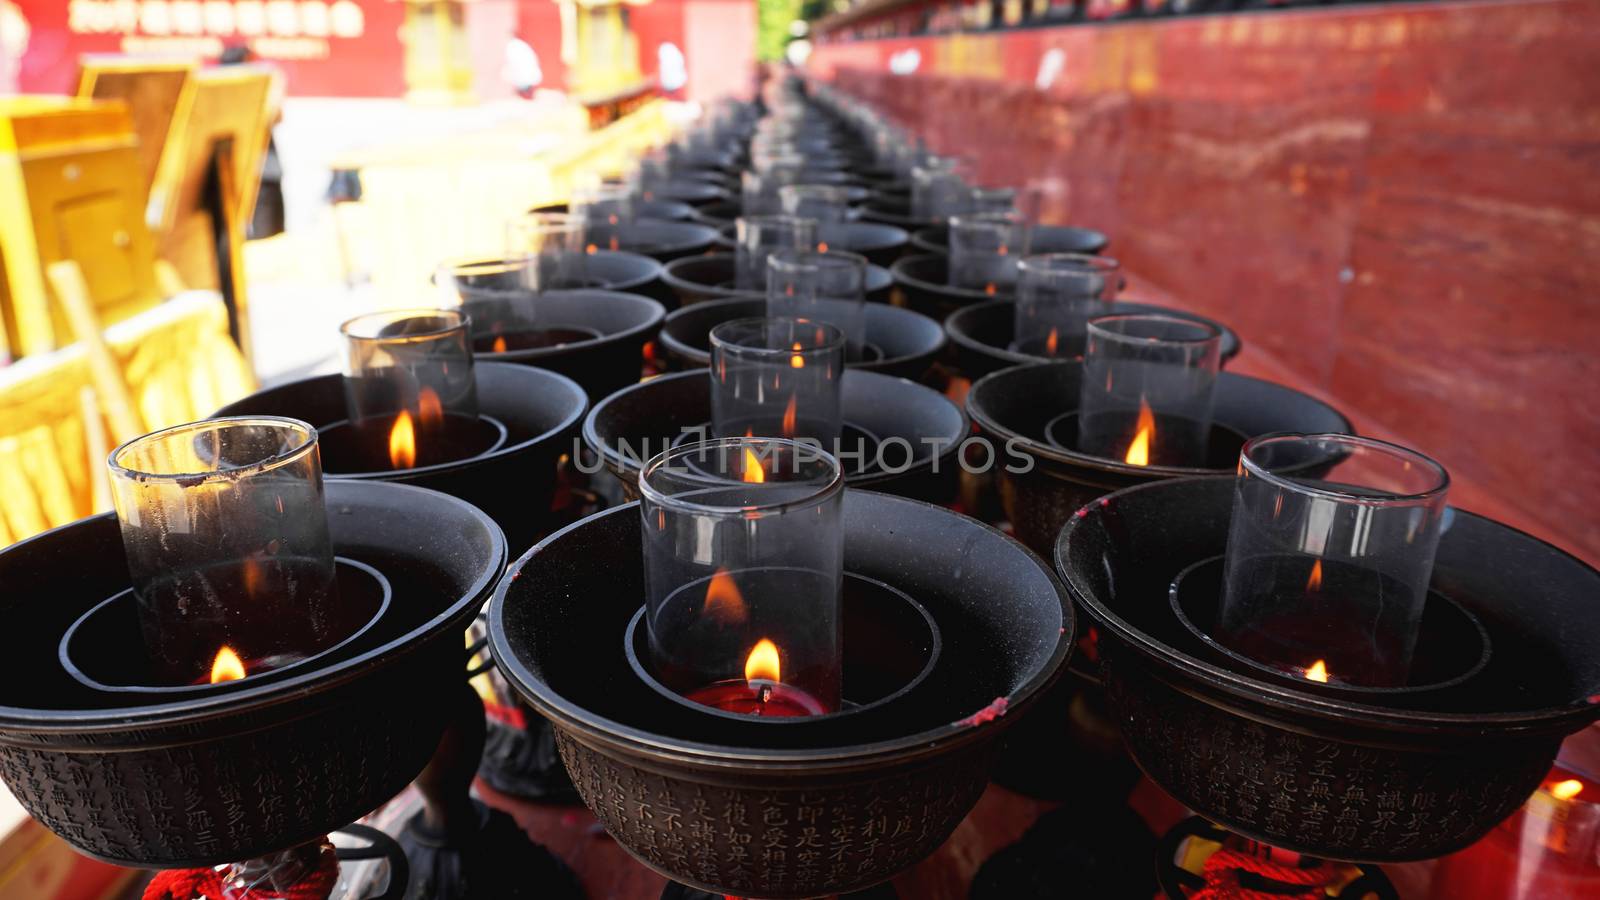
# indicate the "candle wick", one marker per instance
pixel 765 694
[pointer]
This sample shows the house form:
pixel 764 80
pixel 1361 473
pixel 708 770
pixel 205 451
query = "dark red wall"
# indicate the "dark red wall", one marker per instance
pixel 1398 207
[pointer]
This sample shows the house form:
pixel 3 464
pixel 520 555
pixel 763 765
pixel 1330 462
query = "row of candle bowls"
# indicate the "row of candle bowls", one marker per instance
pixel 765 682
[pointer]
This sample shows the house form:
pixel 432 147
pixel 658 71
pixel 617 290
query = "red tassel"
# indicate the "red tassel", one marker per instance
pixel 193 884
pixel 1222 870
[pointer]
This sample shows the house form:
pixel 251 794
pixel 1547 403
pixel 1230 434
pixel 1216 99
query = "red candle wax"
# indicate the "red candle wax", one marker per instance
pixel 769 699
pixel 1548 850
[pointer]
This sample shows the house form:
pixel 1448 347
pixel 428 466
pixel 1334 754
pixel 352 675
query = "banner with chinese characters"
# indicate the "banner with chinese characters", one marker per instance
pixel 327 48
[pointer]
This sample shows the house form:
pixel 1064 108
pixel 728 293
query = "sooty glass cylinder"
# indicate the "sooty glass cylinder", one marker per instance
pixel 826 203
pixel 553 244
pixel 743 545
pixel 938 190
pixel 984 249
pixel 1057 295
pixel 757 236
pixel 1147 389
pixel 827 287
pixel 777 378
pixel 602 203
pixel 227 544
pixel 759 191
pixel 411 362
pixel 992 200
pixel 1330 551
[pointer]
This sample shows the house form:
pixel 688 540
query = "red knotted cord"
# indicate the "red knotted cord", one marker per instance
pixel 1222 870
pixel 192 884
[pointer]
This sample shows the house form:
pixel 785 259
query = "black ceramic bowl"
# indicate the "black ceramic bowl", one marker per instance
pixel 628 273
pixel 892 208
pixel 621 324
pixel 719 213
pixel 659 240
pixel 920 283
pixel 513 484
pixel 880 244
pixel 902 343
pixel 201 782
pixel 694 193
pixel 661 210
pixel 1014 406
pixel 1041 239
pixel 1324 775
pixel 698 808
pixel 711 277
pixel 982 334
pixel 634 424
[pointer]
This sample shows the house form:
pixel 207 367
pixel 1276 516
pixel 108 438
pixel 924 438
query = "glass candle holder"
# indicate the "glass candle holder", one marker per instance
pixel 1330 551
pixel 408 373
pixel 756 237
pixel 553 245
pixel 825 203
pixel 227 543
pixel 993 200
pixel 777 378
pixel 938 190
pixel 984 250
pixel 1147 389
pixel 827 287
pixel 1057 295
pixel 743 547
pixel 602 203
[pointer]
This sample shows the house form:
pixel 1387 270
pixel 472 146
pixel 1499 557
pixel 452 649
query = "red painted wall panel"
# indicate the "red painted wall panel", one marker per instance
pixel 1396 206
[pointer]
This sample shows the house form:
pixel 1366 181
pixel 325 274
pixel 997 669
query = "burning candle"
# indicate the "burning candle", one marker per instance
pixel 827 287
pixel 743 569
pixel 778 377
pixel 1147 389
pixel 553 247
pixel 1057 295
pixel 984 250
pixel 758 236
pixel 407 371
pixel 1329 555
pixel 825 203
pixel 227 546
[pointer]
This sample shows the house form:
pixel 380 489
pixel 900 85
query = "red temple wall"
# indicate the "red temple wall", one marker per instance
pixel 1397 206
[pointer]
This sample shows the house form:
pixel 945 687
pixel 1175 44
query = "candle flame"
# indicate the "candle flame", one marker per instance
pixel 990 289
pixel 1318 671
pixel 1566 790
pixel 615 244
pixel 797 361
pixel 723 600
pixel 403 442
pixel 591 249
pixel 430 409
pixel 1145 434
pixel 1314 583
pixel 1051 342
pixel 753 472
pixel 499 343
pixel 822 247
pixel 762 664
pixel 790 416
pixel 227 666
